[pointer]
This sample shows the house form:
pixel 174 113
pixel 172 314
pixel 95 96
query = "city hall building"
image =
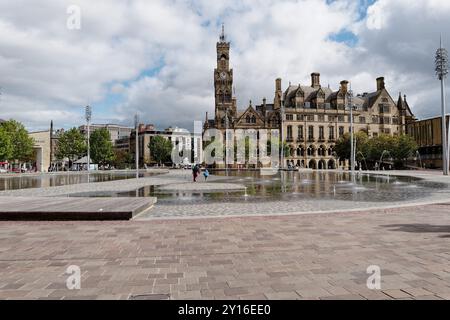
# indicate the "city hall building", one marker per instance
pixel 314 116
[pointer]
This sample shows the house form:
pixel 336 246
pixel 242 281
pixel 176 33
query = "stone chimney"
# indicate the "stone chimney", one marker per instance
pixel 380 83
pixel 278 84
pixel 315 80
pixel 278 94
pixel 344 86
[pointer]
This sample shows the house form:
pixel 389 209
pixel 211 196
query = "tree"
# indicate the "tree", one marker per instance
pixel 404 147
pixel 382 144
pixel 21 144
pixel 101 147
pixel 398 148
pixel 6 147
pixel 122 159
pixel 160 149
pixel 71 145
pixel 343 146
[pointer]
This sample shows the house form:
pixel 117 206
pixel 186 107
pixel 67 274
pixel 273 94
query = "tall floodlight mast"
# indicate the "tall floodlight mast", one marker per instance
pixel 88 116
pixel 442 72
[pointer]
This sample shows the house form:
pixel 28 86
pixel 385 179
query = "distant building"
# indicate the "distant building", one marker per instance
pixel 117 132
pixel 41 150
pixel 428 135
pixel 45 148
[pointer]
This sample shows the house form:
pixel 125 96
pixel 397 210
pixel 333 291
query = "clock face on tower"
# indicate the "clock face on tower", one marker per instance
pixel 223 75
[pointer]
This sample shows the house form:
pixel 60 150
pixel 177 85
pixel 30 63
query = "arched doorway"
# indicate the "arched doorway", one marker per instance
pixel 322 165
pixel 312 164
pixel 331 164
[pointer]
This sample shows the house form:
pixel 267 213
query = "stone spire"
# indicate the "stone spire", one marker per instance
pixel 222 36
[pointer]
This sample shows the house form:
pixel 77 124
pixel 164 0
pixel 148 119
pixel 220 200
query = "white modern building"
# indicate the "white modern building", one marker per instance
pixel 116 131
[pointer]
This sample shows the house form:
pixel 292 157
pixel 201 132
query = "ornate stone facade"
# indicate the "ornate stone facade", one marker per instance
pixel 314 116
pixel 264 116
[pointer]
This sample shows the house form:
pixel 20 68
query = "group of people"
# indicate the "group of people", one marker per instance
pixel 196 172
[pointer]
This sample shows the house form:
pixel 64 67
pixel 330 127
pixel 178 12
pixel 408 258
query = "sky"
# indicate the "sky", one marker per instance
pixel 156 57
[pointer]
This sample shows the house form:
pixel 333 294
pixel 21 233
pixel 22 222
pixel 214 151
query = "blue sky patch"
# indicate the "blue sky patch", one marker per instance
pixel 347 37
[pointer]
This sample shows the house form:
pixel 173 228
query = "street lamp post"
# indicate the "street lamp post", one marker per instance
pixel 442 71
pixel 136 126
pixel 352 146
pixel 88 116
pixel 281 135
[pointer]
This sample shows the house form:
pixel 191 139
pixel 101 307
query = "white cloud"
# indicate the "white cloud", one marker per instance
pixel 159 55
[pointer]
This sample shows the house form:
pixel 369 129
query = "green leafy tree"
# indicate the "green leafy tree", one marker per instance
pixel 383 143
pixel 160 149
pixel 399 148
pixel 71 145
pixel 6 147
pixel 404 146
pixel 21 144
pixel 101 147
pixel 343 146
pixel 122 159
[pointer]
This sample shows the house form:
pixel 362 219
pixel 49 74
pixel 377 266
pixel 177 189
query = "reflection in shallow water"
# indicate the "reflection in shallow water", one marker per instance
pixel 53 180
pixel 288 186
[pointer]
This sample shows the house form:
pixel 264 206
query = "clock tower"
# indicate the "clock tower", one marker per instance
pixel 223 84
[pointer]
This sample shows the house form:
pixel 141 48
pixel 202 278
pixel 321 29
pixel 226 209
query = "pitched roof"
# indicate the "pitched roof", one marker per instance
pixel 251 110
pixel 309 92
pixel 403 105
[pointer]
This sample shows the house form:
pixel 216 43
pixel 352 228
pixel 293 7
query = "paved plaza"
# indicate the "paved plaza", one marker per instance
pixel 322 256
pixel 310 249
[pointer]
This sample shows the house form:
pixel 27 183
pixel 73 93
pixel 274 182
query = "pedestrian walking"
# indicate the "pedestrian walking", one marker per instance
pixel 206 174
pixel 195 172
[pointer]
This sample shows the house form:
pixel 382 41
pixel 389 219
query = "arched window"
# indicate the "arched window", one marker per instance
pixel 274 122
pixel 330 151
pixel 247 119
pixel 253 119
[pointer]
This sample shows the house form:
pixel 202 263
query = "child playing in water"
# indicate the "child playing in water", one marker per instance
pixel 206 174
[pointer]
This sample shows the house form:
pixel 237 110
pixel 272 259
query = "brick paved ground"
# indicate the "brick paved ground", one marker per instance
pixel 284 257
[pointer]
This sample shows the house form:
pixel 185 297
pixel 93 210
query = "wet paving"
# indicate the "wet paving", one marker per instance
pixel 62 179
pixel 295 186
